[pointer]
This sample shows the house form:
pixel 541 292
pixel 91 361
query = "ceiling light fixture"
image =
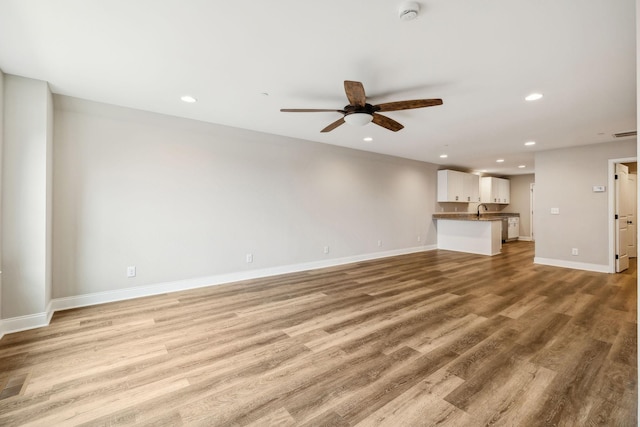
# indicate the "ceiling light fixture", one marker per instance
pixel 522 166
pixel 409 11
pixel 443 156
pixel 367 138
pixel 530 143
pixel 500 161
pixel 533 97
pixel 188 98
pixel 358 119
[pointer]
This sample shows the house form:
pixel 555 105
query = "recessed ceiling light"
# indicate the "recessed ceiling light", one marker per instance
pixel 188 98
pixel 367 138
pixel 500 161
pixel 534 97
pixel 522 166
pixel 443 156
pixel 530 143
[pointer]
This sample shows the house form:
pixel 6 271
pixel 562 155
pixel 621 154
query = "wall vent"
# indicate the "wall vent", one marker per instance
pixel 625 134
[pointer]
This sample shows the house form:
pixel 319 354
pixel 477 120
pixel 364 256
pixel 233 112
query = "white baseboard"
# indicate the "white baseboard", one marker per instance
pixel 23 323
pixel 525 238
pixel 38 320
pixel 599 268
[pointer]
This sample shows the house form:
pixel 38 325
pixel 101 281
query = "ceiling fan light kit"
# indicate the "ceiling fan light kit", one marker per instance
pixel 358 119
pixel 409 11
pixel 359 112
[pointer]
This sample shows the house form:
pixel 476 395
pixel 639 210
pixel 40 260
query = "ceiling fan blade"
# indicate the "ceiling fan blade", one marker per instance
pixel 333 125
pixel 386 122
pixel 307 110
pixel 355 93
pixel 407 105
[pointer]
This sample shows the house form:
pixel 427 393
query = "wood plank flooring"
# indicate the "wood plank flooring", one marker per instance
pixel 429 339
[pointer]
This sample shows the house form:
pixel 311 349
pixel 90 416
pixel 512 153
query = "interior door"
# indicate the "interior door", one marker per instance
pixel 632 197
pixel 532 186
pixel 621 218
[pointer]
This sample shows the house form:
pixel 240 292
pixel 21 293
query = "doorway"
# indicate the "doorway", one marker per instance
pixel 532 187
pixel 623 202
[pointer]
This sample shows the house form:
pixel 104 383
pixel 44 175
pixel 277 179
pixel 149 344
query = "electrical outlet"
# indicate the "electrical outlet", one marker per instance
pixel 574 251
pixel 325 249
pixel 249 258
pixel 419 238
pixel 379 242
pixel 131 271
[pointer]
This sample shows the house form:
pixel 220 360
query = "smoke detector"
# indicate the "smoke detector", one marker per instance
pixel 409 11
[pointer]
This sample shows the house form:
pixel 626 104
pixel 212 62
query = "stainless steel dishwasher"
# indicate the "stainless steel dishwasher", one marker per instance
pixel 510 228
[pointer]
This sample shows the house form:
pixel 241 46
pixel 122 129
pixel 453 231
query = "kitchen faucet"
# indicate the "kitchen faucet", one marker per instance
pixel 485 209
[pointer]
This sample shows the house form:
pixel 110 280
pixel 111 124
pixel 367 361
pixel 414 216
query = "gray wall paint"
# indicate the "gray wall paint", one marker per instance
pixel 48 281
pixel 26 197
pixel 183 199
pixel 564 180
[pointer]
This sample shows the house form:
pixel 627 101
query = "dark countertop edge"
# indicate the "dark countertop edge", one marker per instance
pixel 466 214
pixel 469 218
pixel 472 217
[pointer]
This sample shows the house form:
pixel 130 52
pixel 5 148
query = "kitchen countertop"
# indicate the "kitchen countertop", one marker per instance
pixel 468 216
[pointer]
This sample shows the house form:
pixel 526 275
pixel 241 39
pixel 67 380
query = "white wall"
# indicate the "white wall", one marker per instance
pixel 26 197
pixel 181 199
pixel 565 180
pixel 1 145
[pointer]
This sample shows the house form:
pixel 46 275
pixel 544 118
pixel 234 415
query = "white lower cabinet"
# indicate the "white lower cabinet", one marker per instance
pixel 513 232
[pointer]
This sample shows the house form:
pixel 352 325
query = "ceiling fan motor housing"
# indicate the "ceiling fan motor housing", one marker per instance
pixel 367 108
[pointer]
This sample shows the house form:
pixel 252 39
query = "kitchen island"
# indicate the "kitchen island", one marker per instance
pixel 469 233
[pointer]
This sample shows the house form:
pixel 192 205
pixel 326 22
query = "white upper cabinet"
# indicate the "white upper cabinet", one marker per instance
pixel 472 188
pixel 495 190
pixel 456 186
pixel 504 191
pixel 450 186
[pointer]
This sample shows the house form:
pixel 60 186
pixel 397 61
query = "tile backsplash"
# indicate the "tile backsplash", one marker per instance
pixel 467 207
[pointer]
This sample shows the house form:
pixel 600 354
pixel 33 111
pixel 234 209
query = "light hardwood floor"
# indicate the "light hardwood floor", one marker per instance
pixel 434 338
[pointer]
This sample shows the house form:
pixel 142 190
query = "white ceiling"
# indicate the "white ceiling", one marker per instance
pixel 481 57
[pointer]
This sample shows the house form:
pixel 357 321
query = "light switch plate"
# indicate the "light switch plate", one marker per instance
pixel 599 188
pixel 555 211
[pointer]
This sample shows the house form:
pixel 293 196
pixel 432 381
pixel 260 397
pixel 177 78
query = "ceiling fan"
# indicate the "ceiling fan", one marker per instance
pixel 359 112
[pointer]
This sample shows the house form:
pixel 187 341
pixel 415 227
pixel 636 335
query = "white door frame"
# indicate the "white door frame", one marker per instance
pixel 532 187
pixel 612 208
pixel 633 178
